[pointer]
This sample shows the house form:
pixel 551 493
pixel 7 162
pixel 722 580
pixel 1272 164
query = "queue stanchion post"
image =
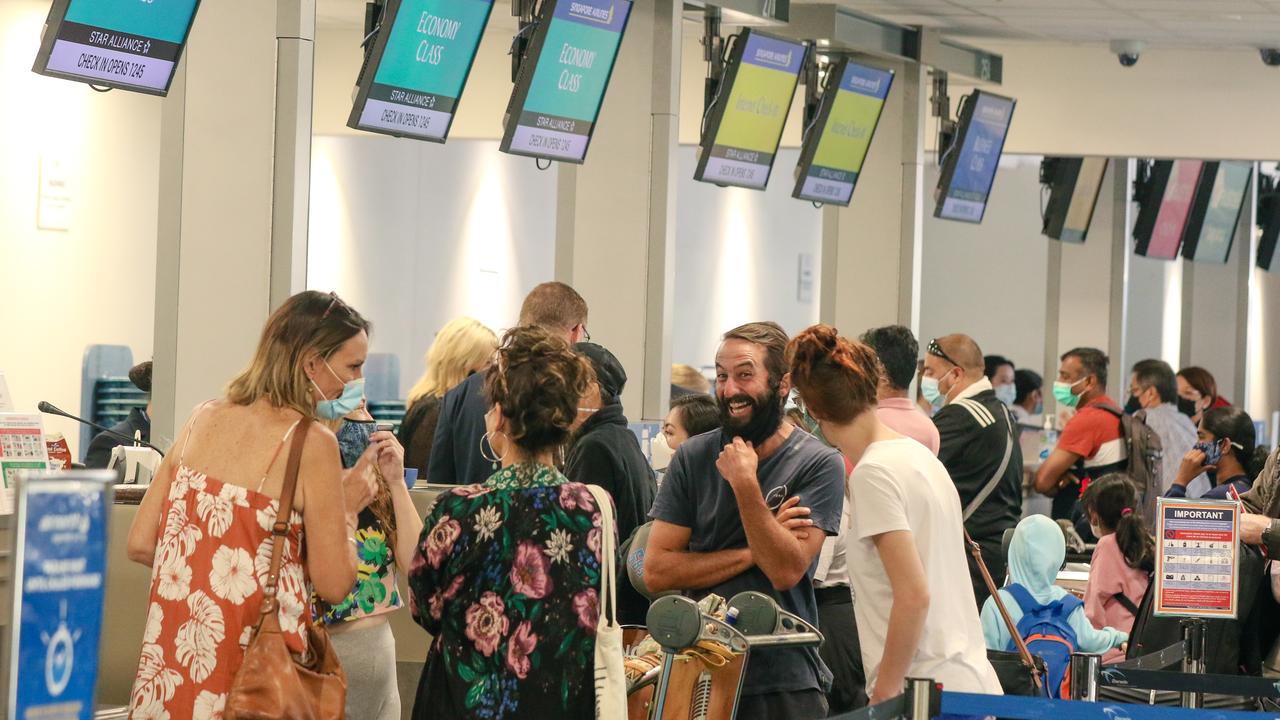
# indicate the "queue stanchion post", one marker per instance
pixel 924 699
pixel 1086 675
pixel 1193 658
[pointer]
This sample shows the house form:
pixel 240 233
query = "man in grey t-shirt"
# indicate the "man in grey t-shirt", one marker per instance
pixel 715 529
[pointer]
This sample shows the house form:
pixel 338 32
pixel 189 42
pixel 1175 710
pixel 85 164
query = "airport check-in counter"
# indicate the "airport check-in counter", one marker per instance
pixel 128 596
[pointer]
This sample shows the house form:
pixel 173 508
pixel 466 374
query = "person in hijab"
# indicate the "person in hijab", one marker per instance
pixel 1035 556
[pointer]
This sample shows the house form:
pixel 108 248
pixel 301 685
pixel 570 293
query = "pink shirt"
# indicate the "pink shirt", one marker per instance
pixel 1110 575
pixel 904 417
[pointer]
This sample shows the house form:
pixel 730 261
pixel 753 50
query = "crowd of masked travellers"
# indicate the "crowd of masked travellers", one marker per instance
pixel 808 470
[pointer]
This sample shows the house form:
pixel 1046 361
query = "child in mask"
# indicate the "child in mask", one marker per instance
pixel 1035 556
pixel 1121 566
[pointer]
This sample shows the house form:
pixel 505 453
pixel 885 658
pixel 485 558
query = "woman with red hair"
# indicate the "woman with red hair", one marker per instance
pixel 915 608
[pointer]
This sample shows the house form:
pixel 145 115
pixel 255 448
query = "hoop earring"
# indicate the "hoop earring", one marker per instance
pixel 491 456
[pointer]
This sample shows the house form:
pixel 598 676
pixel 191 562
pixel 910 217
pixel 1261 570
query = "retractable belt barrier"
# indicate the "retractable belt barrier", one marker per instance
pixel 1026 708
pixel 1241 685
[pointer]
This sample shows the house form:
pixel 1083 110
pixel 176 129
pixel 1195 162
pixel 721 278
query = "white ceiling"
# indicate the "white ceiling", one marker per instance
pixel 1199 23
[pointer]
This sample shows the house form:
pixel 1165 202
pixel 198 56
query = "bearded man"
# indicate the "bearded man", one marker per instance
pixel 724 515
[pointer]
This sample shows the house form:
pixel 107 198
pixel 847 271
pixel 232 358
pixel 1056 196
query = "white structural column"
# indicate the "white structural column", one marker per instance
pixel 230 167
pixel 871 250
pixel 615 215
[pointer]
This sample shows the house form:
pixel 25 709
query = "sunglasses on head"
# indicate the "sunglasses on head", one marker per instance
pixel 936 350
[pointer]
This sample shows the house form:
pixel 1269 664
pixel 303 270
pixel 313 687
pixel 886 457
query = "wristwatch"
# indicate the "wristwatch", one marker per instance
pixel 1268 535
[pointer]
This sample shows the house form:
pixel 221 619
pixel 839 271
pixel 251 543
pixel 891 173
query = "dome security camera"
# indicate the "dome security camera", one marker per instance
pixel 1270 56
pixel 1128 51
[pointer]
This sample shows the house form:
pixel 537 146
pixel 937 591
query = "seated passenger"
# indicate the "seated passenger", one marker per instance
pixel 714 527
pixel 139 421
pixel 1039 607
pixel 1120 569
pixel 915 610
pixel 507 573
pixel 1227 451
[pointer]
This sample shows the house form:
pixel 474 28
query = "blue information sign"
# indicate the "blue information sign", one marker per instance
pixel 60 564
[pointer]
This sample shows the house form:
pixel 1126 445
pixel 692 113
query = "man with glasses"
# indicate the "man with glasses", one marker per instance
pixel 978 446
pixel 456 457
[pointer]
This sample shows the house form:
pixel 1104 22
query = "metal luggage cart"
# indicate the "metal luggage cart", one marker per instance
pixel 685 688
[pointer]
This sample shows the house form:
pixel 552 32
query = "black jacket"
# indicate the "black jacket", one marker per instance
pixel 418 431
pixel 455 451
pixel 99 452
pixel 974 433
pixel 605 452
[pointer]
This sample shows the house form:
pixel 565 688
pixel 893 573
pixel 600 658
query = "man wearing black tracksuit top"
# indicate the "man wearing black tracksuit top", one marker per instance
pixel 979 447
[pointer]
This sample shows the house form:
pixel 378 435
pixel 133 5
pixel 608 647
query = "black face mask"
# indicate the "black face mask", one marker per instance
pixel 1187 407
pixel 1132 406
pixel 766 417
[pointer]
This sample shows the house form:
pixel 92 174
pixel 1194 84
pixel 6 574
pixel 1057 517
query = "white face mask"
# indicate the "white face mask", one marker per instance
pixel 1097 531
pixel 660 452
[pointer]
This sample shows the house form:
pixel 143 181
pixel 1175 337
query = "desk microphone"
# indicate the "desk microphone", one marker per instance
pixel 49 409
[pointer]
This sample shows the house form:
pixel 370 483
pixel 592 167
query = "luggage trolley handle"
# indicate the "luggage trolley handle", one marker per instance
pixel 765 624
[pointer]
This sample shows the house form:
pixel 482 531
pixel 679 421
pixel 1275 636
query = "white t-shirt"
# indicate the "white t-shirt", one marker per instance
pixel 899 485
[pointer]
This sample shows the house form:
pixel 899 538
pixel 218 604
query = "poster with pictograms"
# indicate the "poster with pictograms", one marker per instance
pixel 1197 557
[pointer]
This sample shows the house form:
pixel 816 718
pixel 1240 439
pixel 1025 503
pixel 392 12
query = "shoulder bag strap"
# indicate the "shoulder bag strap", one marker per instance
pixel 280 530
pixel 1018 642
pixel 608 554
pixel 994 482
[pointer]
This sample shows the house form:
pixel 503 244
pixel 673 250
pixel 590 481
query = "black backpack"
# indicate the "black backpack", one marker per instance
pixel 1223 638
pixel 1145 457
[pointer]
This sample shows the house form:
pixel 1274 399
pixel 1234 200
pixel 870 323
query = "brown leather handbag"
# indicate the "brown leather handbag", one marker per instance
pixel 273 684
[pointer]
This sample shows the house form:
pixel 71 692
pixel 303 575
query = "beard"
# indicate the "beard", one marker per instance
pixel 766 416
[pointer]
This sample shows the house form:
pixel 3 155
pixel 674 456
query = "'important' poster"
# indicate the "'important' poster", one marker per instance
pixel 1196 558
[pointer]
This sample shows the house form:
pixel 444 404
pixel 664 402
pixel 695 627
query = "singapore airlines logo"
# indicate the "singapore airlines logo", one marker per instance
pixel 591 13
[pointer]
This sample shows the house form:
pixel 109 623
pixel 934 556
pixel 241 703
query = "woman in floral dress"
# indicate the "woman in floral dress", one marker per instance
pixel 204 525
pixel 507 573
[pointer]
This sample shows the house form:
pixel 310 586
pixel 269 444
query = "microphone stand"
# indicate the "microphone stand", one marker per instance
pixel 50 409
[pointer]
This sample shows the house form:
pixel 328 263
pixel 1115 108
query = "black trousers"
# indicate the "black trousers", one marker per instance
pixel 799 705
pixel 840 649
pixel 993 556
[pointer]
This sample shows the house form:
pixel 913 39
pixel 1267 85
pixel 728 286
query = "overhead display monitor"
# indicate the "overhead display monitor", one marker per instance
pixel 1215 212
pixel 1269 224
pixel 563 78
pixel 836 145
pixel 413 77
pixel 1073 196
pixel 133 45
pixel 1164 208
pixel 744 125
pixel 969 167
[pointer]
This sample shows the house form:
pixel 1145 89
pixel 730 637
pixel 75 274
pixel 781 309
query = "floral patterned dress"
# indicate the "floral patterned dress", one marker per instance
pixel 212 558
pixel 506 579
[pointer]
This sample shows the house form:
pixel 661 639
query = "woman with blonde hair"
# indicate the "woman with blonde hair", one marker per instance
pixel 463 346
pixel 205 523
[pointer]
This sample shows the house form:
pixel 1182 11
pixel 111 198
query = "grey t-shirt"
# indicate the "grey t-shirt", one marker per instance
pixel 695 495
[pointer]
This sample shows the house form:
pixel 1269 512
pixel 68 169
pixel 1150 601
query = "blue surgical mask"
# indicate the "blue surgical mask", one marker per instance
pixel 343 405
pixel 1006 394
pixel 929 389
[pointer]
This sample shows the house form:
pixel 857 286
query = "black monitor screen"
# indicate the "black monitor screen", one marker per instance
pixel 1165 207
pixel 837 143
pixel 418 66
pixel 969 168
pixel 1215 213
pixel 133 45
pixel 1073 196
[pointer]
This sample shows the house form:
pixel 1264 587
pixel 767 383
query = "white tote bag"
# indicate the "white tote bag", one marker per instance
pixel 611 679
